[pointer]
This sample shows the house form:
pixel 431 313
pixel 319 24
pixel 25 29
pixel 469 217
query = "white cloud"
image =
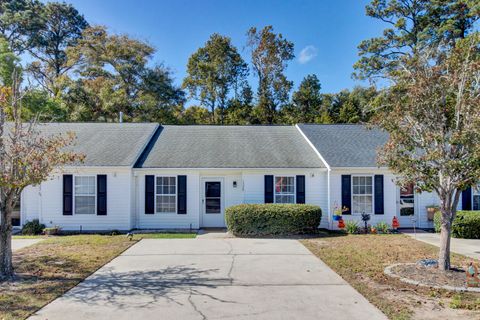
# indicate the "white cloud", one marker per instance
pixel 307 54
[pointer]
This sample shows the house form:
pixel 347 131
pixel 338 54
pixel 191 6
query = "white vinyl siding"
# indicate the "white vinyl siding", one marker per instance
pixel 362 194
pixel 166 195
pixel 284 189
pixel 85 194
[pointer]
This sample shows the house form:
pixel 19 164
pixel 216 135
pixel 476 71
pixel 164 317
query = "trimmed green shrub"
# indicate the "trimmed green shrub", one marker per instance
pixel 272 219
pixel 466 224
pixel 33 227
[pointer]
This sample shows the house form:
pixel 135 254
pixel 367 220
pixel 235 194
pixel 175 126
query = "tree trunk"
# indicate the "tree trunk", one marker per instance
pixel 444 254
pixel 6 267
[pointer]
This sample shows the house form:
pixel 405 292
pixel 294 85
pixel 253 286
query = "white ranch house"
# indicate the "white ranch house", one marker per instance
pixel 149 176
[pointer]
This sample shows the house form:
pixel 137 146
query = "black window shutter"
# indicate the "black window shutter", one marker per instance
pixel 379 206
pixel 67 194
pixel 102 195
pixel 467 199
pixel 347 193
pixel 149 194
pixel 300 189
pixel 268 189
pixel 182 195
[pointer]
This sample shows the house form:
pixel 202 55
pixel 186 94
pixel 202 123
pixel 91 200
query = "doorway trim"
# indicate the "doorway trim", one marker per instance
pixel 203 180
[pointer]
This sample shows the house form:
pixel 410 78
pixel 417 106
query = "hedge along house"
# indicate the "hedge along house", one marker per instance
pixel 356 181
pixel 98 193
pixel 188 175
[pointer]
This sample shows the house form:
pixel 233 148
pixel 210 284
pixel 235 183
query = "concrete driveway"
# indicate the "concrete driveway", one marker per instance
pixel 213 279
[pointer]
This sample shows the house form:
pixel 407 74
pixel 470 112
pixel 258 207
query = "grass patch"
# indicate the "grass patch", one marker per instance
pixel 360 260
pixel 164 235
pixel 49 268
pixel 28 237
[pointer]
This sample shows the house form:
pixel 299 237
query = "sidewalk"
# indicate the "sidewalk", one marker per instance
pixel 467 247
pixel 18 244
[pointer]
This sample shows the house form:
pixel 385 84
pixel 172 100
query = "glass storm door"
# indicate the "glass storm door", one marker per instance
pixel 213 215
pixel 407 215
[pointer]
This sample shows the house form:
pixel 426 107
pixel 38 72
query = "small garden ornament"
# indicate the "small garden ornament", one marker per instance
pixel 341 224
pixel 338 211
pixel 473 279
pixel 395 224
pixel 365 219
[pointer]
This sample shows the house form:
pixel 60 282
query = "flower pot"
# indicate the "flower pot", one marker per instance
pixel 431 213
pixel 337 217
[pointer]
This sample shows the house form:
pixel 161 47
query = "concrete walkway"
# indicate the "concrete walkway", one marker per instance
pixel 213 279
pixel 18 244
pixel 467 247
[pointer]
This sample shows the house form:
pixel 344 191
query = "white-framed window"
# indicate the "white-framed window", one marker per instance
pixel 362 194
pixel 166 194
pixel 85 195
pixel 284 189
pixel 476 197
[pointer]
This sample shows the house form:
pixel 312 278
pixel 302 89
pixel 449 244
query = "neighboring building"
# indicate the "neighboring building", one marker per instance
pixel 147 176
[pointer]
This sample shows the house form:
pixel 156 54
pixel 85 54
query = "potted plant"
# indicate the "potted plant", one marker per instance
pixel 431 210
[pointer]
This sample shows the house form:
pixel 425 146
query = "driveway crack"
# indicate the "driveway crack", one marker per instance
pixel 194 306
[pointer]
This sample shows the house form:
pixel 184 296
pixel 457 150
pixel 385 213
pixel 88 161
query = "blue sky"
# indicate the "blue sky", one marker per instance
pixel 325 32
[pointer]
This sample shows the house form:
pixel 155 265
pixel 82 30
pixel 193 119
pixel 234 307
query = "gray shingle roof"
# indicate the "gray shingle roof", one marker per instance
pixel 346 145
pixel 230 147
pixel 105 144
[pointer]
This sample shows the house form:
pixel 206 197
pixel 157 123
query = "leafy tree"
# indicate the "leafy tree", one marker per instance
pixel 213 71
pixel 431 114
pixel 413 24
pixel 349 113
pixel 270 54
pixel 26 158
pixel 159 98
pixel 239 110
pixel 307 100
pixel 113 77
pixel 38 104
pixel 8 64
pixel 18 20
pixel 324 118
pixel 195 115
pixel 62 26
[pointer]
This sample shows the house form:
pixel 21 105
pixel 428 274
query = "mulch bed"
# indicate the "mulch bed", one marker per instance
pixel 431 276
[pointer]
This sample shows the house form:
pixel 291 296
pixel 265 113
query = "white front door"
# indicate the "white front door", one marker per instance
pixel 213 214
pixel 407 209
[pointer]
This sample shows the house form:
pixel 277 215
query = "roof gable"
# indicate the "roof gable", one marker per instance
pixel 346 145
pixel 105 144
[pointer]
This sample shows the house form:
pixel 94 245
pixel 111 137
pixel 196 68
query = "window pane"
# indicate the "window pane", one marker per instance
pixel 166 185
pixel 84 185
pixel 212 205
pixel 166 204
pixel 476 202
pixel 212 189
pixel 84 204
